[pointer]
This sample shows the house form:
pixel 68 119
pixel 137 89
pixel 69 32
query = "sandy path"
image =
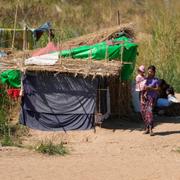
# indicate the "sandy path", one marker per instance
pixel 123 153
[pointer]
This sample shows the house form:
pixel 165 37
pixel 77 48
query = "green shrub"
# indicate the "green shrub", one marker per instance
pixel 10 134
pixel 3 123
pixel 7 141
pixel 4 106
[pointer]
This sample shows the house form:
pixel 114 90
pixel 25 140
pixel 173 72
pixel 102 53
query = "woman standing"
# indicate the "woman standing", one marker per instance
pixel 148 99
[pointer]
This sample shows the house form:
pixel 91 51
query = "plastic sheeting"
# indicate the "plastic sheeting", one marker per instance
pixel 58 102
pixel 12 78
pixel 114 49
pixel 104 50
pixel 46 59
pixel 46 27
pixel 51 47
pixel 2 54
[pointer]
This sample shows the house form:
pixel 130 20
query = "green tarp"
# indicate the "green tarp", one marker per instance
pixel 98 51
pixel 104 50
pixel 12 78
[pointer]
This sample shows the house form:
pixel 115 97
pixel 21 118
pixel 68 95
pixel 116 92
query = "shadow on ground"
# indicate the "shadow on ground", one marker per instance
pixel 166 119
pixel 126 123
pixel 136 123
pixel 166 133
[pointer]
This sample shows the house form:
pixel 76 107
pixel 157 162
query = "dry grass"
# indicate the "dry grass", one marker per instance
pixel 162 49
pixel 157 19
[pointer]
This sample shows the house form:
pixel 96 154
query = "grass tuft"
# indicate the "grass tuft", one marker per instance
pixel 47 147
pixel 178 150
pixel 7 141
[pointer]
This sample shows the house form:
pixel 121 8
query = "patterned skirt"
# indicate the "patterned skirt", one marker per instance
pixel 146 111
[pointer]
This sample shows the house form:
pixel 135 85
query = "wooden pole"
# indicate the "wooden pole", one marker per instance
pixel 15 21
pixel 25 38
pixel 49 36
pixel 118 17
pixel 120 82
pixel 106 55
pixel 89 60
pixel 122 51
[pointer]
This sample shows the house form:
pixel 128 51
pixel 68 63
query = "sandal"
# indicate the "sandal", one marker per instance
pixel 151 131
pixel 146 131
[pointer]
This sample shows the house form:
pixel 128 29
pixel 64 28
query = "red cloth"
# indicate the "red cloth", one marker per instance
pixel 13 93
pixel 0 91
pixel 49 48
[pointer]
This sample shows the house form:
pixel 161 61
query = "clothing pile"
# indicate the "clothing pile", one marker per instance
pixel 12 78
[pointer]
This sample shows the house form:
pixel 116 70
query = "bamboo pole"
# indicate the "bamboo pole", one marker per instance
pixel 120 83
pixel 106 55
pixel 90 57
pixel 49 36
pixel 60 54
pixel 15 22
pixel 118 17
pixel 24 38
pixel 122 51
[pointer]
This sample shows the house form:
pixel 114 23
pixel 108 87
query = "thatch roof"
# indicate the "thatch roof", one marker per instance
pixel 82 67
pixel 75 66
pixel 99 36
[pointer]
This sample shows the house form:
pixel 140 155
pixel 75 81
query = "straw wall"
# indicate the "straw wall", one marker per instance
pixel 120 95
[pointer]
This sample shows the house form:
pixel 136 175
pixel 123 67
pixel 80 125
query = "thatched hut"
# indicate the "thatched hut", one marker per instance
pixel 74 93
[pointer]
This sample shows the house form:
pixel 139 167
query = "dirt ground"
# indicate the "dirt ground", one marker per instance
pixel 116 152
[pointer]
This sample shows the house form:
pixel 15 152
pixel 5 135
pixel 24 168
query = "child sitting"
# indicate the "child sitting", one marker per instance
pixel 171 96
pixel 165 102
